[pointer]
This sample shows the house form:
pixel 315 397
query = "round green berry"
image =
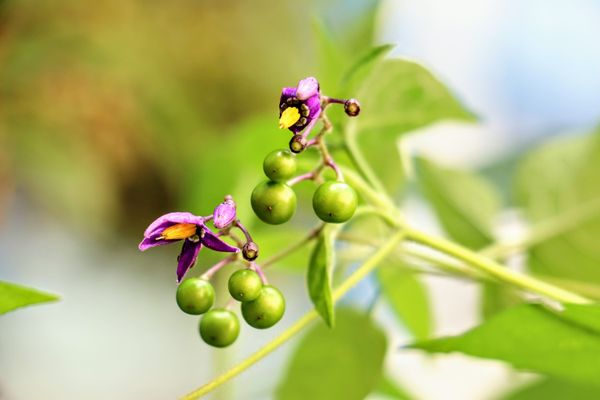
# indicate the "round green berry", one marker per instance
pixel 195 296
pixel 335 202
pixel 273 202
pixel 245 285
pixel 266 310
pixel 280 165
pixel 219 327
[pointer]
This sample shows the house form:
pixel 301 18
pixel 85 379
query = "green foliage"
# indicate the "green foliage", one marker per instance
pixel 341 363
pixel 407 296
pixel 565 345
pixel 465 203
pixel 391 390
pixel 320 270
pixel 400 96
pixel 14 296
pixel 561 178
pixel 554 389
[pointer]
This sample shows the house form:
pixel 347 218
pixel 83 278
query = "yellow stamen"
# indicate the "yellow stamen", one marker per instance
pixel 178 231
pixel 289 117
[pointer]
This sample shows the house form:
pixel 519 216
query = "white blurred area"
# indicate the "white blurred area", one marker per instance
pixel 527 68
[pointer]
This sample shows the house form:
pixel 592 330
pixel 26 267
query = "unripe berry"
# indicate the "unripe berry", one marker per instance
pixel 219 327
pixel 335 202
pixel 280 165
pixel 266 310
pixel 273 202
pixel 245 285
pixel 195 296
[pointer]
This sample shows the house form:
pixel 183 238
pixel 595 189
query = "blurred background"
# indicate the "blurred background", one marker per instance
pixel 114 113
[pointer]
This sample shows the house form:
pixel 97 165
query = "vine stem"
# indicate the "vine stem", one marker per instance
pixel 495 269
pixel 306 319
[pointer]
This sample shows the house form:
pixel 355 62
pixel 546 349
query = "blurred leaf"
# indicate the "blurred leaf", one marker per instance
pixel 497 297
pixel 407 296
pixel 391 389
pixel 14 296
pixel 464 202
pixel 331 59
pixel 401 96
pixel 553 389
pixel 320 270
pixel 562 178
pixel 565 345
pixel 354 76
pixel 341 363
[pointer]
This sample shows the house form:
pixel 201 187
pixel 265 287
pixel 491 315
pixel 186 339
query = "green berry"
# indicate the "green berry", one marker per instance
pixel 219 327
pixel 195 296
pixel 280 165
pixel 335 202
pixel 245 285
pixel 273 202
pixel 266 310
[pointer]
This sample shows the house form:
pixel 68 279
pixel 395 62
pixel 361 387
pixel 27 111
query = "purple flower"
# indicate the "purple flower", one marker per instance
pixel 300 106
pixel 224 213
pixel 176 226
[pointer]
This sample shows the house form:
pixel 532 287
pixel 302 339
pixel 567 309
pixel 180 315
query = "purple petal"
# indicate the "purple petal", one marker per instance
pixel 152 242
pixel 307 87
pixel 187 257
pixel 286 93
pixel 314 105
pixel 164 221
pixel 212 241
pixel 224 213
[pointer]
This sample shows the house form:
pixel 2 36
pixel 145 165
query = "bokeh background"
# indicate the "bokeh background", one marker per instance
pixel 115 112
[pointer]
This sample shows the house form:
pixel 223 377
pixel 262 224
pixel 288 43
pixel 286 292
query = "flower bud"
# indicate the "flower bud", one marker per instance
pixel 297 144
pixel 352 107
pixel 250 251
pixel 224 213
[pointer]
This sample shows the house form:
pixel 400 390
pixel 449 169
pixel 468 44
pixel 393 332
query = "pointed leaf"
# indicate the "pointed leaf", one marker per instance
pixel 13 296
pixel 564 344
pixel 320 269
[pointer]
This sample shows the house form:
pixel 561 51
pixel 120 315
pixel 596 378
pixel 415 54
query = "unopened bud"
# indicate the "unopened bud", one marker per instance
pixel 224 213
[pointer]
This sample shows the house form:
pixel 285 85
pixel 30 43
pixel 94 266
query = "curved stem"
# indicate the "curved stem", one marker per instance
pixel 307 318
pixel 496 270
pixel 358 159
pixel 292 248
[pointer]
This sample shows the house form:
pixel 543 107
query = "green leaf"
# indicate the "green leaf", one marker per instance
pixel 354 76
pixel 390 389
pixel 320 270
pixel 464 202
pixel 497 297
pixel 554 389
pixel 565 345
pixel 561 179
pixel 341 363
pixel 14 296
pixel 407 296
pixel 401 96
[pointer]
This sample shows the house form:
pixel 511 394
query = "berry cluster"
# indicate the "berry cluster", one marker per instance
pixel 262 305
pixel 274 201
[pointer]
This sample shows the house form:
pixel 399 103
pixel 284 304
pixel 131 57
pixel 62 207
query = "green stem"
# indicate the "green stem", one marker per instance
pixel 307 318
pixel 293 247
pixel 358 159
pixel 496 270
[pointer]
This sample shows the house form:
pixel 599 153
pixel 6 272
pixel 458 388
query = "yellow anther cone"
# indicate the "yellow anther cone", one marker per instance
pixel 178 231
pixel 289 117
